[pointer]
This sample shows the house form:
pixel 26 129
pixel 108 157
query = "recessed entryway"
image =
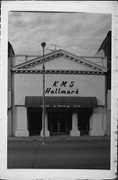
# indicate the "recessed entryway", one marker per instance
pixel 84 115
pixel 34 121
pixel 59 122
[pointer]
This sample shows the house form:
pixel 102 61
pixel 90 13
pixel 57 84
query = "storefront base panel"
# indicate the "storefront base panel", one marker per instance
pixel 96 132
pixel 21 133
pixel 47 133
pixel 74 133
pixel 96 122
pixel 21 128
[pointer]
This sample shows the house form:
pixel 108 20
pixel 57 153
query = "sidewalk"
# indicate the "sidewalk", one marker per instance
pixel 60 138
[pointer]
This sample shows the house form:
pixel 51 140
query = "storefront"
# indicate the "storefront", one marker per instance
pixel 75 96
pixel 63 114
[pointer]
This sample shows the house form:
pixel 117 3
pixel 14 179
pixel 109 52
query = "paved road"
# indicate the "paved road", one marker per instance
pixel 59 155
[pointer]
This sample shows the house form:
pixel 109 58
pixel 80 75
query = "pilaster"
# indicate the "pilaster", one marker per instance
pixel 21 121
pixel 96 122
pixel 74 131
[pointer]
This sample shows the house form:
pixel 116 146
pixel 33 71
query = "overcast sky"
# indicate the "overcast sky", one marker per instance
pixel 78 33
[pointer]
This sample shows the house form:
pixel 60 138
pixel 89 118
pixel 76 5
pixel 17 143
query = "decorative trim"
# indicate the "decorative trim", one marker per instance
pixel 27 71
pixel 39 60
pixel 59 53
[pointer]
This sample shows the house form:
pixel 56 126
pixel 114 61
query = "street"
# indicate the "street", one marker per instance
pixel 59 154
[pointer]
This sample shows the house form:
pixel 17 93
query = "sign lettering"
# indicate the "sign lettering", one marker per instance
pixel 63 87
pixel 63 83
pixel 55 83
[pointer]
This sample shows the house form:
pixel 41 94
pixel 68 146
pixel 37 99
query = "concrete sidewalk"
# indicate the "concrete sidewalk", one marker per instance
pixel 60 138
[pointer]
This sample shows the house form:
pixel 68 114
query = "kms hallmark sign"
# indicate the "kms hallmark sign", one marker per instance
pixel 59 85
pixel 62 87
pixel 76 86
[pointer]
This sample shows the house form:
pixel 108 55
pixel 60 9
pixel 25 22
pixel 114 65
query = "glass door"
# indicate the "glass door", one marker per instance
pixel 58 124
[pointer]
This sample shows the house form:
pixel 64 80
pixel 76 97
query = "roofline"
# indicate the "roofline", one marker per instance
pixel 87 61
pixel 26 55
pixel 103 43
pixel 10 47
pixel 41 57
pixel 37 56
pixel 64 52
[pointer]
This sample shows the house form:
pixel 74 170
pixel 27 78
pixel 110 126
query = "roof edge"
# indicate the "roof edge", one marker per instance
pixel 63 52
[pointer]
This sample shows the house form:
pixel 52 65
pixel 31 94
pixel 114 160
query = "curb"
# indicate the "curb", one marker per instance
pixel 53 139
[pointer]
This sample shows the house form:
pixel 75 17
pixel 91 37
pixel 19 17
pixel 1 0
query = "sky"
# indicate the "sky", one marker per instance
pixel 78 33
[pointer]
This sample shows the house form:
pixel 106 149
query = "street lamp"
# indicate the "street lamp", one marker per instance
pixel 43 44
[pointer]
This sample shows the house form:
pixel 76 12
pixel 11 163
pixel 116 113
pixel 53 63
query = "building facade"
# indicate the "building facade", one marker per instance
pixel 75 96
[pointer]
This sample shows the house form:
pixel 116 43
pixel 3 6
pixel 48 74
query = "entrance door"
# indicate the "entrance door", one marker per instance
pixel 59 123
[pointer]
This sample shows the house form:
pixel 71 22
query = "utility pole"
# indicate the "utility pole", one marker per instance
pixel 43 44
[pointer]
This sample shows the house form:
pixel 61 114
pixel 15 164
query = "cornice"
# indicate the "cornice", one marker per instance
pixel 59 53
pixel 32 71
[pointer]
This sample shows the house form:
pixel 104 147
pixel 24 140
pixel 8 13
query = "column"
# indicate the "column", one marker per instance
pixel 96 122
pixel 74 131
pixel 21 121
pixel 47 133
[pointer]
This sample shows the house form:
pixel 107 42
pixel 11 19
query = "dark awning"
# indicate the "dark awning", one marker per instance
pixel 36 101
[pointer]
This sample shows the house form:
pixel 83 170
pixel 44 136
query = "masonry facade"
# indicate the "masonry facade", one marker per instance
pixel 75 96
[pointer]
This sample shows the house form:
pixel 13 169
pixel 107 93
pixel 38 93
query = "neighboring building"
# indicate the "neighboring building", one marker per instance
pixel 105 51
pixel 75 90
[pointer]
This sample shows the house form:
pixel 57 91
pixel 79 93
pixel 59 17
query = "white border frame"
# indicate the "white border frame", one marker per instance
pixel 109 7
